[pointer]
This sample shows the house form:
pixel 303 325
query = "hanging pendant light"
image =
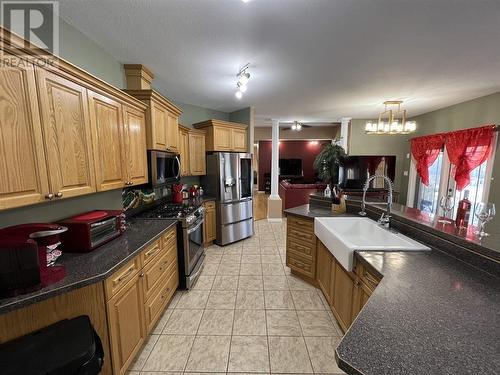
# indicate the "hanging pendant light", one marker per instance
pixel 391 121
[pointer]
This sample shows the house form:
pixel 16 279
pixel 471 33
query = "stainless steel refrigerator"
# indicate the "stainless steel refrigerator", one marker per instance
pixel 229 178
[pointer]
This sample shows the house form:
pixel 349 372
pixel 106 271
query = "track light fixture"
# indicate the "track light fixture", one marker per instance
pixel 243 77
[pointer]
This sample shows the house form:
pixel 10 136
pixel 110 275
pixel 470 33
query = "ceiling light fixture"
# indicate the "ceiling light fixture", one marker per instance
pixel 297 126
pixel 391 121
pixel 243 77
pixel 245 1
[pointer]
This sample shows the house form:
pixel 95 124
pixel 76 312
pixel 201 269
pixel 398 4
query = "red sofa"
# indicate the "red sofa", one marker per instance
pixel 293 195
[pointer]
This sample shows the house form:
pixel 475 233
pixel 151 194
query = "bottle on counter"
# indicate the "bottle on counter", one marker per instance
pixel 463 212
pixel 200 191
pixel 328 191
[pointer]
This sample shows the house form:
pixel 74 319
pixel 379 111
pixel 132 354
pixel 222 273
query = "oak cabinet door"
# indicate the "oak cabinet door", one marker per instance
pixel 324 270
pixel 107 137
pixel 23 172
pixel 126 324
pixel 343 296
pixel 209 230
pixel 239 140
pixel 184 152
pixel 66 129
pixel 197 161
pixel 222 138
pixel 136 158
pixel 159 116
pixel 172 132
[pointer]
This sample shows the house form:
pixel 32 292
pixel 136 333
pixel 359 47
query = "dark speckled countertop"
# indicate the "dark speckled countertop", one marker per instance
pixel 430 314
pixel 88 268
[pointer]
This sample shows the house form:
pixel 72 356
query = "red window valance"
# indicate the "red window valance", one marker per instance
pixel 425 151
pixel 467 149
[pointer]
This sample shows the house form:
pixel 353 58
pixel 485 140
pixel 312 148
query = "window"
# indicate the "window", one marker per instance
pixel 426 198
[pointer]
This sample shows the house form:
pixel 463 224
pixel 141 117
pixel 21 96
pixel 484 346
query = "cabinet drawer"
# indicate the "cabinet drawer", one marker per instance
pixel 301 234
pixel 306 250
pixel 161 296
pixel 169 238
pixel 301 224
pixel 118 279
pixel 300 265
pixel 157 269
pixel 151 252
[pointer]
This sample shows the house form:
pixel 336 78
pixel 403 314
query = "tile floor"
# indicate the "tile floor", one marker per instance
pixel 246 314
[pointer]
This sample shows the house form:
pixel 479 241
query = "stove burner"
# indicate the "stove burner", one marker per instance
pixel 170 211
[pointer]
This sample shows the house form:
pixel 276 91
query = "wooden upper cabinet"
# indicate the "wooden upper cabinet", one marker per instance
pixel 107 137
pixel 224 135
pixel 172 132
pixel 162 120
pixel 136 158
pixel 197 162
pixel 22 167
pixel 239 139
pixel 66 129
pixel 184 150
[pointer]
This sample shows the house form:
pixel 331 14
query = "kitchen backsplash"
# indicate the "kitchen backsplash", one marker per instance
pixel 135 197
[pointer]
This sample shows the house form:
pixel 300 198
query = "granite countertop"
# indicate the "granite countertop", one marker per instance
pixel 311 211
pixel 430 314
pixel 88 268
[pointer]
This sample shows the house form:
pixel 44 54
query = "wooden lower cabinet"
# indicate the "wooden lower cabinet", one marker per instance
pixel 343 296
pixel 325 271
pixel 126 324
pixel 209 226
pixel 301 247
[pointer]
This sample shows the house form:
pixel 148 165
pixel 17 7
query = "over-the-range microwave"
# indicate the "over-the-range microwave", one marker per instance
pixel 164 168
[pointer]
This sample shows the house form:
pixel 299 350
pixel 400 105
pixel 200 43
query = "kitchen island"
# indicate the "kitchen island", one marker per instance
pixel 418 313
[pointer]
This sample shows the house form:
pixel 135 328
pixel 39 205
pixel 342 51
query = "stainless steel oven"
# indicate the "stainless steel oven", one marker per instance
pixel 194 252
pixel 164 168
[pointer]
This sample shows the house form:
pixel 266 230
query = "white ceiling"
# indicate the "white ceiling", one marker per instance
pixel 310 60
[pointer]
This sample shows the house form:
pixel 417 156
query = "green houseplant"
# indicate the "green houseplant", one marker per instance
pixel 328 161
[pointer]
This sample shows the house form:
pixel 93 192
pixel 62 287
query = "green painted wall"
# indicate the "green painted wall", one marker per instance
pixel 473 113
pixel 191 114
pixel 366 144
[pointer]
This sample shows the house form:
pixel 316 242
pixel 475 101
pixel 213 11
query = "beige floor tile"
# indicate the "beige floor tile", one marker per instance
pixel 225 283
pixel 251 250
pixel 229 269
pixel 143 355
pixel 231 258
pixel 248 354
pixel 307 300
pixel 159 373
pixel 213 257
pixel 269 250
pixel 250 300
pixel 275 283
pixel 216 323
pixel 204 283
pixel 278 299
pixel 289 355
pixel 162 321
pixel 250 283
pixel 322 354
pixel 251 269
pixel 175 299
pixel 250 258
pixel 209 269
pixel 193 299
pixel 183 322
pixel 273 269
pixel 283 323
pixel 221 300
pixel 169 354
pixel 209 354
pixel 249 322
pixel 233 251
pixel 270 258
pixel 316 323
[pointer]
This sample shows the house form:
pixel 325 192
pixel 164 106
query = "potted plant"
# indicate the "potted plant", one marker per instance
pixel 327 163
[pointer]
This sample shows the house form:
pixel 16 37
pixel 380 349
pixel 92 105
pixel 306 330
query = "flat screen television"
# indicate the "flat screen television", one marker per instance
pixel 290 167
pixel 355 169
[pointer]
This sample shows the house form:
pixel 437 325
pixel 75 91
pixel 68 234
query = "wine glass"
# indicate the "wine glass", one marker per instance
pixel 484 213
pixel 446 203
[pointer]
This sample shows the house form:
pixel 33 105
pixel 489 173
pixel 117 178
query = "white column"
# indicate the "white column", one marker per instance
pixel 275 159
pixel 344 133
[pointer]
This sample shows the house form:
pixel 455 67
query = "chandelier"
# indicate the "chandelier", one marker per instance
pixel 391 121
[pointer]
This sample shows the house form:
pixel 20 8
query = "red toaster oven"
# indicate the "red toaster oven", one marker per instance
pixel 92 229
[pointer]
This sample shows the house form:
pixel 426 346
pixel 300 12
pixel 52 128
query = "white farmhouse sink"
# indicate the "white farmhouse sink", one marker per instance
pixel 344 235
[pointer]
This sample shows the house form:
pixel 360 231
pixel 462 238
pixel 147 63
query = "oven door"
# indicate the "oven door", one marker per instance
pixel 164 168
pixel 193 245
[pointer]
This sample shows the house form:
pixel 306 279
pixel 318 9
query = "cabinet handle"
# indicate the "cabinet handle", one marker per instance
pixel 370 278
pixel 152 251
pixel 49 196
pixel 142 274
pixel 125 275
pixel 59 194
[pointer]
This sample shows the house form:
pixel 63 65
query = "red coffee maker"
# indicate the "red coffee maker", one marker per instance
pixel 25 255
pixel 177 193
